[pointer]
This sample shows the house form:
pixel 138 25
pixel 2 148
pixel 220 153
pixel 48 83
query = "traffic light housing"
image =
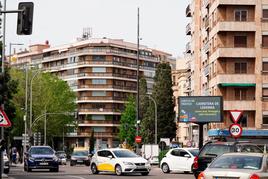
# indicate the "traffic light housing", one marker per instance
pixel 25 18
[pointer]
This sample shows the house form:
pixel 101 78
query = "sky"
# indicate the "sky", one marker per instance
pixel 162 22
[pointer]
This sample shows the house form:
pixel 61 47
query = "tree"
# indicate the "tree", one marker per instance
pixel 163 94
pixel 91 143
pixel 50 95
pixel 127 130
pixel 143 98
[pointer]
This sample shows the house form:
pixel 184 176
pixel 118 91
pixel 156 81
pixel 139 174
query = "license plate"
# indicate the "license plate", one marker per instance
pixel 80 161
pixel 43 163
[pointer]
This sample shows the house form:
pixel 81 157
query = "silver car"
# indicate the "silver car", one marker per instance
pixel 237 166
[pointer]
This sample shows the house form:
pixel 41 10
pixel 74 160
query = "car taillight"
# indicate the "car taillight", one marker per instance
pixel 195 164
pixel 201 176
pixel 254 176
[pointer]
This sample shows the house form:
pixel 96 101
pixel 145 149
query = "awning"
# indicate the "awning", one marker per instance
pixel 246 132
pixel 237 84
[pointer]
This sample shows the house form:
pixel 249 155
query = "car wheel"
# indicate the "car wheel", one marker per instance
pixel 118 170
pixel 29 169
pixel 165 168
pixel 72 163
pixel 94 169
pixel 145 174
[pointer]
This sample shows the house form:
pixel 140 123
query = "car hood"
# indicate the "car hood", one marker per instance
pixel 133 160
pixel 42 156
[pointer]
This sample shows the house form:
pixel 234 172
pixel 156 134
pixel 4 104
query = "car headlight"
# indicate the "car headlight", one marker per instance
pixel 31 159
pixel 55 158
pixel 128 163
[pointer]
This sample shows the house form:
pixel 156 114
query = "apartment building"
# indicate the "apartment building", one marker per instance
pixel 103 74
pixel 228 50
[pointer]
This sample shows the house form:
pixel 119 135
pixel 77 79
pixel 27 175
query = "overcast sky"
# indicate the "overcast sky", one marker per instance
pixel 162 22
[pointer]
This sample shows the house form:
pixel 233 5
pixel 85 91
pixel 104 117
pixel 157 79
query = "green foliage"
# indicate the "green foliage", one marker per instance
pixel 92 142
pixel 163 94
pixel 127 130
pixel 161 155
pixel 143 97
pixel 50 95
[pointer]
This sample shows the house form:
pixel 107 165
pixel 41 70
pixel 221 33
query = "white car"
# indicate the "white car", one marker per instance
pixel 119 161
pixel 179 159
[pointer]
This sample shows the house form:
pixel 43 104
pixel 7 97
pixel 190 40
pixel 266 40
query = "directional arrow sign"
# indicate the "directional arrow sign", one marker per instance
pixel 235 115
pixel 4 121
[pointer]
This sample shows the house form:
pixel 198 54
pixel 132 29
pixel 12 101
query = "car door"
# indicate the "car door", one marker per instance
pixel 185 160
pixel 105 161
pixel 100 160
pixel 174 158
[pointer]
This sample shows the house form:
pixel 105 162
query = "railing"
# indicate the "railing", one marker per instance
pixel 207 23
pixel 206 70
pixel 188 29
pixel 206 3
pixel 99 110
pixel 131 88
pixel 102 98
pixel 99 74
pixel 188 11
pixel 206 47
pixel 97 134
pixel 98 122
pixel 188 47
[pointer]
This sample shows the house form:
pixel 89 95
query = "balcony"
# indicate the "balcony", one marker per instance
pixel 217 3
pixel 188 29
pixel 206 3
pixel 206 47
pixel 244 105
pixel 245 80
pixel 206 23
pixel 99 111
pixel 84 98
pixel 188 11
pixel 98 123
pixel 234 26
pixel 206 70
pixel 188 47
pixel 97 134
pixel 106 86
pixel 232 52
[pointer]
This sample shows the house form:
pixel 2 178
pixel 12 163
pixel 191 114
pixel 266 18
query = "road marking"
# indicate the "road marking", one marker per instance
pixel 76 177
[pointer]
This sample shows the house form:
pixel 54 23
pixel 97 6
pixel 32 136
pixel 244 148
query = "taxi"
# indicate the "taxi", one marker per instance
pixel 119 161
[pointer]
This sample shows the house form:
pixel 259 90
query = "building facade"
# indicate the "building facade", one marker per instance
pixel 103 73
pixel 228 50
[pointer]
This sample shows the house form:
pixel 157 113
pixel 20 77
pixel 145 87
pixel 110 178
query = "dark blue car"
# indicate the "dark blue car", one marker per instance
pixel 41 157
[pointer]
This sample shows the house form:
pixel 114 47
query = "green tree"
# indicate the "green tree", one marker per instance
pixel 163 94
pixel 50 95
pixel 91 143
pixel 127 129
pixel 143 97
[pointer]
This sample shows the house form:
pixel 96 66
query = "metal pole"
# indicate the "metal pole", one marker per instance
pixel 25 129
pixel 45 130
pixel 138 66
pixel 63 139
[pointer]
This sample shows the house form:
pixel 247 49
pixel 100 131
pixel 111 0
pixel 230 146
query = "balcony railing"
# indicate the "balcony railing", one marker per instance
pixel 99 75
pixel 206 47
pixel 98 122
pixel 188 47
pixel 130 88
pixel 188 29
pixel 188 11
pixel 99 110
pixel 97 134
pixel 207 23
pixel 206 70
pixel 102 98
pixel 206 3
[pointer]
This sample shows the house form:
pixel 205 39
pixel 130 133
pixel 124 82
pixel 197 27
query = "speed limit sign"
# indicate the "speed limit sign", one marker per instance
pixel 235 130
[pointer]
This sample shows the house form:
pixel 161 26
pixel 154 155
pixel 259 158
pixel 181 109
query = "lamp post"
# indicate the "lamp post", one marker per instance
pixel 10 48
pixel 31 100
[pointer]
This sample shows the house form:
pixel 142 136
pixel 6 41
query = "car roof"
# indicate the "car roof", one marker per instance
pixel 113 149
pixel 230 143
pixel 187 148
pixel 40 146
pixel 244 154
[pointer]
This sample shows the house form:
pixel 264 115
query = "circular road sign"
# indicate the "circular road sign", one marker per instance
pixel 235 130
pixel 138 139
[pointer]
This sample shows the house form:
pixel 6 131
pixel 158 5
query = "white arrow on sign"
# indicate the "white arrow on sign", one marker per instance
pixel 235 115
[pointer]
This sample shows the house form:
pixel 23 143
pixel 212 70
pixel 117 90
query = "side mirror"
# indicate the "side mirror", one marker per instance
pixel 187 155
pixel 110 157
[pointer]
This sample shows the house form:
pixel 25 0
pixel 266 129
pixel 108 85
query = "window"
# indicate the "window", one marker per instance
pixel 98 117
pixel 244 120
pixel 240 94
pixel 99 129
pixel 265 13
pixel 240 41
pixel 264 66
pixel 241 15
pixel 182 153
pixel 175 152
pixel 265 119
pixel 264 40
pixel 98 69
pixel 98 105
pixel 265 92
pixel 98 93
pixel 98 81
pixel 241 67
pixel 98 58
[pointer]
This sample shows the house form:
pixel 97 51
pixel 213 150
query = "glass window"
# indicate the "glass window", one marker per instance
pixel 264 40
pixel 98 81
pixel 98 58
pixel 249 148
pixel 175 152
pixel 215 150
pixel 241 67
pixel 265 13
pixel 265 66
pixel 265 119
pixel 241 15
pixel 41 151
pixel 99 129
pixel 98 117
pixel 240 94
pixel 98 93
pixel 98 69
pixel 240 41
pixel 124 154
pixel 194 152
pixel 183 152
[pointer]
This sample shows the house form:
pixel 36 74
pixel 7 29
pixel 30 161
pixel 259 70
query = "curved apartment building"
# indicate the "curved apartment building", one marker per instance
pixel 103 73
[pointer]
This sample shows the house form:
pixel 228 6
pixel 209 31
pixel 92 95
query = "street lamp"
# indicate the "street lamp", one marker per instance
pixel 10 46
pixel 31 99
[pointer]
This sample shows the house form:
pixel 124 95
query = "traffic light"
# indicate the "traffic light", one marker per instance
pixel 2 145
pixel 25 18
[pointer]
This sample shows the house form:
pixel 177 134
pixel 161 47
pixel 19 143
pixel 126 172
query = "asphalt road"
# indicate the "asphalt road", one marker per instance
pixel 82 172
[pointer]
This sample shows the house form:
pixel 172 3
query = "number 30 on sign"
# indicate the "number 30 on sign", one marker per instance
pixel 235 130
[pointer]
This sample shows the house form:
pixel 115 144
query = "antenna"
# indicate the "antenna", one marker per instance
pixel 87 33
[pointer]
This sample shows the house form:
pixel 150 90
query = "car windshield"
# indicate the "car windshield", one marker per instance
pixel 237 162
pixel 80 153
pixel 215 150
pixel 194 152
pixel 124 154
pixel 41 151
